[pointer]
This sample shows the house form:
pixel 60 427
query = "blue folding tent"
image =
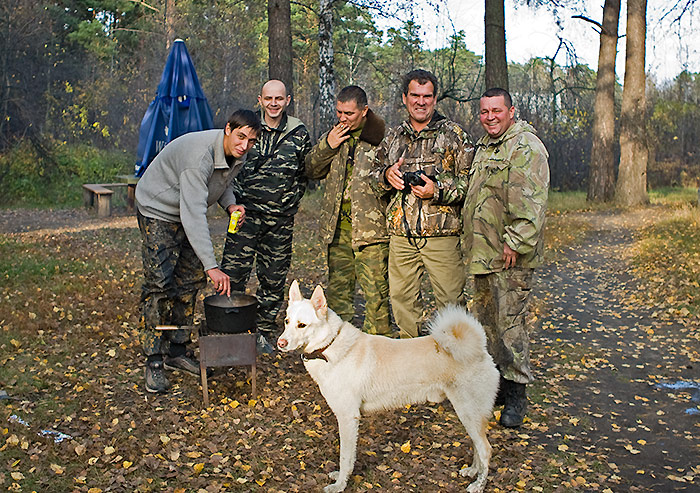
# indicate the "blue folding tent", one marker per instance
pixel 179 107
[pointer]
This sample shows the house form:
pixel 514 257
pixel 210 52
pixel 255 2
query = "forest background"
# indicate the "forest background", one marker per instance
pixel 77 76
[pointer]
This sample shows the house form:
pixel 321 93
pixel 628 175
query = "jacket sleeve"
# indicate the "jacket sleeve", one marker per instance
pixel 318 160
pixel 381 163
pixel 526 194
pixel 193 214
pixel 453 179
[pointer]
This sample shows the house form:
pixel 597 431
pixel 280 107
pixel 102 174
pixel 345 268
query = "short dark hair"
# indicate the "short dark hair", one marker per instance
pixel 353 93
pixel 244 118
pixel 422 77
pixel 497 91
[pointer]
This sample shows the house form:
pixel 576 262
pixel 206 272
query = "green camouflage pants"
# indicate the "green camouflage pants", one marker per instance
pixel 441 258
pixel 173 274
pixel 366 266
pixel 501 301
pixel 266 241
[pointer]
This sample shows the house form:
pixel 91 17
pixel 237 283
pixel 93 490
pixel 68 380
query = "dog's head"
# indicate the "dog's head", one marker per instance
pixel 306 324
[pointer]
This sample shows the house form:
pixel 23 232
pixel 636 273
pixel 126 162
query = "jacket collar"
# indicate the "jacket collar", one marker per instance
pixel 374 129
pixel 434 123
pixel 280 128
pixel 514 130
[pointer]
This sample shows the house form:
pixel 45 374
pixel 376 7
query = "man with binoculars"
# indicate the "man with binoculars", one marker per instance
pixel 423 165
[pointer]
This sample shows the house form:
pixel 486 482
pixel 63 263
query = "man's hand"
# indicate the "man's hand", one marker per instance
pixel 393 175
pixel 222 283
pixel 338 135
pixel 424 191
pixel 232 208
pixel 509 257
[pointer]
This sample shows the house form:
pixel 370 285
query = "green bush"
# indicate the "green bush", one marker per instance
pixel 54 178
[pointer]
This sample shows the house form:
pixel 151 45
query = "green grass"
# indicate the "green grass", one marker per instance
pixel 674 196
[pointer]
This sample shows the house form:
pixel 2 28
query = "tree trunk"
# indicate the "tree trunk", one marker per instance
pixel 169 21
pixel 326 75
pixel 601 171
pixel 495 39
pixel 279 32
pixel 632 177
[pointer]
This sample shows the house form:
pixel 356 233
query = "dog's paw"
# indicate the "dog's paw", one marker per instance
pixel 334 488
pixel 477 486
pixel 334 475
pixel 468 471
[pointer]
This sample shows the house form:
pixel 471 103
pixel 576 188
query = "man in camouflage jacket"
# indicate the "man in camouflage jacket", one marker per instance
pixel 353 220
pixel 423 220
pixel 504 218
pixel 269 186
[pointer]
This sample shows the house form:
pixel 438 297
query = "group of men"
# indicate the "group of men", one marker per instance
pixel 419 199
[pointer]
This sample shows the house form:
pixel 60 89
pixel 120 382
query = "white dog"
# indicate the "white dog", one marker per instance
pixel 358 372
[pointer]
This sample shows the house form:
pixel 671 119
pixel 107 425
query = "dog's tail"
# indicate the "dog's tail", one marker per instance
pixel 459 333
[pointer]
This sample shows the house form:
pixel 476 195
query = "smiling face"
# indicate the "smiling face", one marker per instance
pixel 495 116
pixel 238 141
pixel 420 102
pixel 349 114
pixel 274 100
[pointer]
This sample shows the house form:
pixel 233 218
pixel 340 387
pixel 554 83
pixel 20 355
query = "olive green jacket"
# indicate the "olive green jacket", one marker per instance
pixel 506 200
pixel 368 211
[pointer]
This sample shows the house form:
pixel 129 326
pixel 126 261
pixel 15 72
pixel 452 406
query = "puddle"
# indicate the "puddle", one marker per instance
pixel 688 385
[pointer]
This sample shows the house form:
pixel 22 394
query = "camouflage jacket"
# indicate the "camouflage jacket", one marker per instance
pixel 506 200
pixel 366 207
pixel 272 180
pixel 443 151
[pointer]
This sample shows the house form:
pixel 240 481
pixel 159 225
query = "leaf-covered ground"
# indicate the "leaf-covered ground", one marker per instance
pixel 614 408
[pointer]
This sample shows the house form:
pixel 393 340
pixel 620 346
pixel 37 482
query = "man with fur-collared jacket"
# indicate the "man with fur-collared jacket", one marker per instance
pixel 353 217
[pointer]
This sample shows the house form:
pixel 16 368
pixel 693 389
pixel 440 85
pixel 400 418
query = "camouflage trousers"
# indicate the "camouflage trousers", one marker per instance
pixel 441 259
pixel 501 301
pixel 366 266
pixel 173 274
pixel 266 241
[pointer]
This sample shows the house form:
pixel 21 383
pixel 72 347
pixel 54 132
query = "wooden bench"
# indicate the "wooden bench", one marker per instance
pixel 99 195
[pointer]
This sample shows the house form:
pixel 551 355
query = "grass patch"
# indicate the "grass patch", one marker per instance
pixel 667 261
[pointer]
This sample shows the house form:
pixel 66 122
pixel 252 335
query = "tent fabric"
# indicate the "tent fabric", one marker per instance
pixel 179 107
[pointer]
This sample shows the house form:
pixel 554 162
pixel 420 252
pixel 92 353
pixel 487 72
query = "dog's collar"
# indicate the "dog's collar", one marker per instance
pixel 318 354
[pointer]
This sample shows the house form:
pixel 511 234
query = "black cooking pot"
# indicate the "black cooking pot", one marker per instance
pixel 230 315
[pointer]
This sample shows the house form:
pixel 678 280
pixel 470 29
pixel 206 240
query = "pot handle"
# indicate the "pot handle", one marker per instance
pixel 232 310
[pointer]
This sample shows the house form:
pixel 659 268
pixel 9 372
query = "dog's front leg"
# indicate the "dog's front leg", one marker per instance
pixel 348 425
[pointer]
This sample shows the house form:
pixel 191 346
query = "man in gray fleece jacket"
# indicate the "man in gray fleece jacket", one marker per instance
pixel 191 173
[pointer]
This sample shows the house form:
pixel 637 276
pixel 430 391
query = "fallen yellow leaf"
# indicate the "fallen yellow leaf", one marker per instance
pixel 198 467
pixel 406 447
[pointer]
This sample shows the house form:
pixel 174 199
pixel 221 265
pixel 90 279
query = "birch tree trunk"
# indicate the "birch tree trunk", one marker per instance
pixel 631 186
pixel 601 174
pixel 326 74
pixel 495 44
pixel 279 31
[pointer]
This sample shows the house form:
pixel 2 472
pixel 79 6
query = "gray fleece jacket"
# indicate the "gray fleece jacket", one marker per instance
pixel 187 176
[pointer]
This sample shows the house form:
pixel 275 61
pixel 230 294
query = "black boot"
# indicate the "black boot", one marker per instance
pixel 515 404
pixel 501 396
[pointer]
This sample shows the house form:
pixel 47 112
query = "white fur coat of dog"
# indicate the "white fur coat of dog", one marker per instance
pixel 359 373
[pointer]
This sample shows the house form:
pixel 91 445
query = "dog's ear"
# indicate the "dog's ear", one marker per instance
pixel 294 292
pixel 318 300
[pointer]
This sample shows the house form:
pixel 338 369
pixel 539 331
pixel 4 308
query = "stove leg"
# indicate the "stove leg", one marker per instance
pixel 205 389
pixel 252 379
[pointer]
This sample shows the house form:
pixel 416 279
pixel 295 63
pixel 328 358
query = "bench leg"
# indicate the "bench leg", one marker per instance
pixel 87 198
pixel 104 205
pixel 130 197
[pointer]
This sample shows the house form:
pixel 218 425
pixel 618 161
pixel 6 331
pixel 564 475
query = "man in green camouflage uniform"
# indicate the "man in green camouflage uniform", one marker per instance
pixel 269 186
pixel 423 219
pixel 504 218
pixel 191 173
pixel 353 221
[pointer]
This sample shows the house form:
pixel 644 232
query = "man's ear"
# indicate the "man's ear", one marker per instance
pixel 227 129
pixel 318 300
pixel 294 292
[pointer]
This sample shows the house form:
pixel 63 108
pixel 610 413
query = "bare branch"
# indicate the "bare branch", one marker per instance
pixel 141 2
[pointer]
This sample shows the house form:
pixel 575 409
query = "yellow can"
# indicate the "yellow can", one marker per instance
pixel 233 222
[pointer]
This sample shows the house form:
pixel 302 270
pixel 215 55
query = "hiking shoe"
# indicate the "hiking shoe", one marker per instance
pixel 185 362
pixel 262 346
pixel 515 406
pixel 156 381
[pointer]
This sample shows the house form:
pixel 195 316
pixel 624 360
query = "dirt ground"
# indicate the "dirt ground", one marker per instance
pixel 614 407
